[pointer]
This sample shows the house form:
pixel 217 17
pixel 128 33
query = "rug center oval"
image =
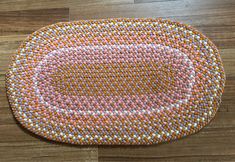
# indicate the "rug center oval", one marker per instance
pixel 115 77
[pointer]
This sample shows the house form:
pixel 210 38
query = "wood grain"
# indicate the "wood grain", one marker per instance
pixel 27 21
pixel 214 18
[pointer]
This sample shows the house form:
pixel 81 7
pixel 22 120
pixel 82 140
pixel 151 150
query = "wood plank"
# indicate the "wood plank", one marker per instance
pixel 8 47
pixel 27 21
pixel 25 146
pixel 150 1
pixel 214 158
pixel 11 5
pixel 208 142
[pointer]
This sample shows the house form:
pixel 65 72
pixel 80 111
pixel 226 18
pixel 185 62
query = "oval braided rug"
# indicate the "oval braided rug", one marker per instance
pixel 115 81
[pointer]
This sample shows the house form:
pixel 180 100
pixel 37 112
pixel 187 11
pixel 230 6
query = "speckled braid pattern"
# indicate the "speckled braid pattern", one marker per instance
pixel 115 81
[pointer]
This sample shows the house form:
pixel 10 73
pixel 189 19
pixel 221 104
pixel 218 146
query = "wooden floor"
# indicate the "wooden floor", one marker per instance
pixel 214 18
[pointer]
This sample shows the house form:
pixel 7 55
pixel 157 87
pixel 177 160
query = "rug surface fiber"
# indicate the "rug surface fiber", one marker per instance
pixel 115 81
